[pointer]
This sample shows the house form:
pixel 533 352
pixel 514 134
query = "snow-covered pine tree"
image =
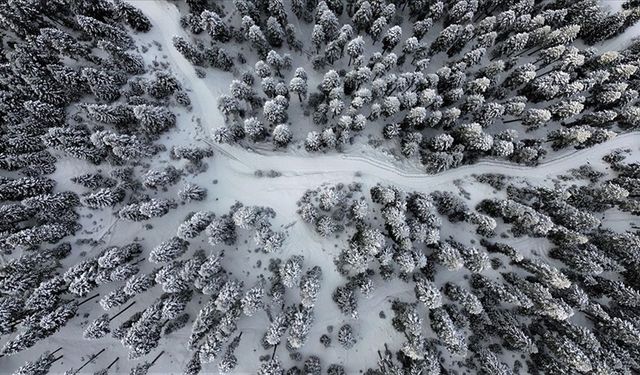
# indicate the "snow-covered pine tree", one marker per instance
pixel 291 271
pixel 310 286
pixel 345 336
pixel 252 300
pixel 192 192
pixel 301 321
pixel 195 225
pixel 40 366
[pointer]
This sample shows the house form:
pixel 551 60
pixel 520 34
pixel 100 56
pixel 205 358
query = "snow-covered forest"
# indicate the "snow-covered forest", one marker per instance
pixel 310 187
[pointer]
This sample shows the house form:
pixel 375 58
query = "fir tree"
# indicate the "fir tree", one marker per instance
pixel 300 326
pixel 282 135
pixel 310 286
pixel 444 328
pixel 195 225
pixel 252 300
pixel 346 300
pixel 192 192
pixel 271 367
pixel 215 26
pixel 345 336
pixel 41 366
pixel 100 30
pixel 427 293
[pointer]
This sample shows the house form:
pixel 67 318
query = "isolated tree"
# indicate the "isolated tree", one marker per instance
pixel 252 300
pixel 445 39
pixel 278 327
pixel 310 286
pixel 100 30
pixel 189 51
pixel 355 48
pixel 257 39
pixel 100 326
pixel 291 271
pixel 298 85
pixel 301 322
pixel 254 129
pixel 274 33
pixel 229 361
pixel 271 367
pixel 345 336
pixel 282 135
pixel 467 299
pixel 313 142
pixel 345 298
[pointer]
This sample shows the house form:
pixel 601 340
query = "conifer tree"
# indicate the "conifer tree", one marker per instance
pixel 41 366
pixel 252 300
pixel 310 286
pixel 301 322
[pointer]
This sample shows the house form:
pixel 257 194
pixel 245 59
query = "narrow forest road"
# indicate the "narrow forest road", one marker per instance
pixel 302 168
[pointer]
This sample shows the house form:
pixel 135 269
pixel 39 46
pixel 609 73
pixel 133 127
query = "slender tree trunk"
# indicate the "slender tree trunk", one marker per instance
pixel 382 364
pixel 389 90
pixel 89 299
pixel 156 358
pixel 547 64
pixel 544 74
pixel 525 51
pixel 138 262
pixel 510 121
pixel 55 351
pixel 113 363
pixel 90 360
pixel 274 351
pixel 122 311
pixel 541 67
pixel 56 359
pixel 535 51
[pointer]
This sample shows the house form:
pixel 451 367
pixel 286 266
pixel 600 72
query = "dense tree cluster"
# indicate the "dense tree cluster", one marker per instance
pixel 439 78
pixel 331 208
pixel 556 311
